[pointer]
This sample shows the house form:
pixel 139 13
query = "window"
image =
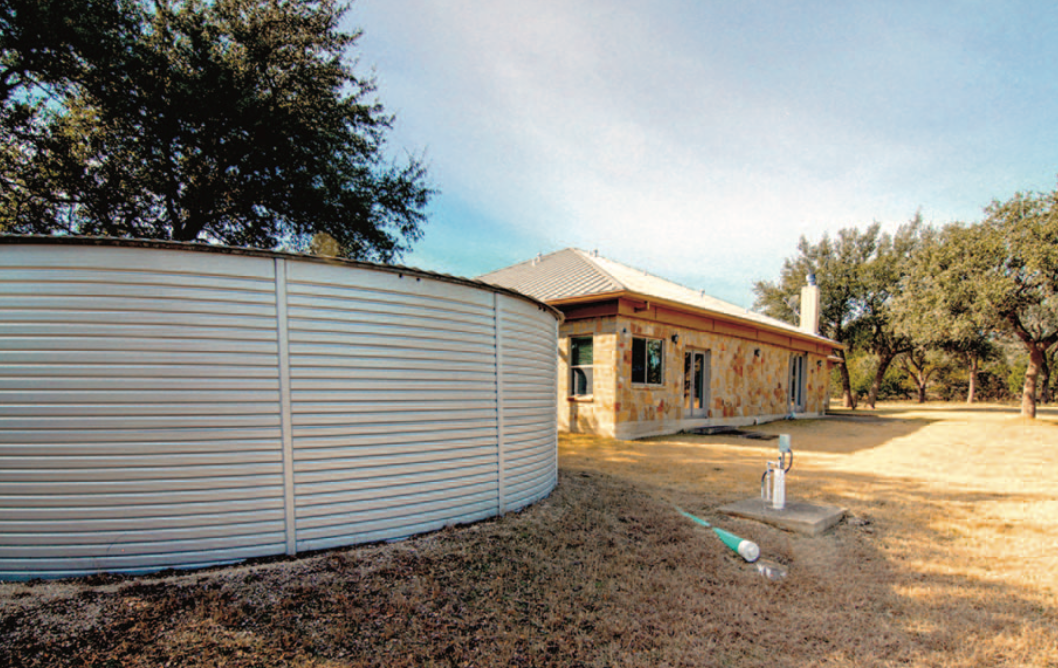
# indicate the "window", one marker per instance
pixel 646 361
pixel 797 383
pixel 581 357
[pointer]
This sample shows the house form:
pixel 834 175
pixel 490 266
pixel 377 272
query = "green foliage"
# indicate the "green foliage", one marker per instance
pixel 999 276
pixel 838 265
pixel 859 274
pixel 1016 375
pixel 933 308
pixel 863 368
pixel 861 371
pixel 959 290
pixel 51 43
pixel 234 121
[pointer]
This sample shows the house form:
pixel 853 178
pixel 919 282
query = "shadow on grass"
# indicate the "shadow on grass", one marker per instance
pixel 605 573
pixel 903 408
pixel 602 573
pixel 835 435
pixel 919 575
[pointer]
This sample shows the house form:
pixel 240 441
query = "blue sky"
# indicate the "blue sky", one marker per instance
pixel 699 139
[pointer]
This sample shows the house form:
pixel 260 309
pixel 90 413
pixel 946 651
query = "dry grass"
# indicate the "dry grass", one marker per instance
pixel 949 559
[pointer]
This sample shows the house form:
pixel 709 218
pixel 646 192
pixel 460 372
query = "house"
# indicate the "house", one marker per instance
pixel 640 355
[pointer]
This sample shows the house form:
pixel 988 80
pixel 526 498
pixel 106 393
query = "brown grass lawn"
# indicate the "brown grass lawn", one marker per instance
pixel 949 558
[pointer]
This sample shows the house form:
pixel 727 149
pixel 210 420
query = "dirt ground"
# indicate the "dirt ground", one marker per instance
pixel 949 557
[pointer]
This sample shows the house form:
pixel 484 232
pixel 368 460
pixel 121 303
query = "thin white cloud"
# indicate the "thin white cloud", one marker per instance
pixel 699 140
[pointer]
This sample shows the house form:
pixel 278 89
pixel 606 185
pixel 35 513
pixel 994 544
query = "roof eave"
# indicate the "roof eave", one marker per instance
pixel 719 315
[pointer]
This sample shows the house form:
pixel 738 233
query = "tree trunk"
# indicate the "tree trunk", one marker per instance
pixel 883 365
pixel 917 374
pixel 972 390
pixel 1044 386
pixel 1032 373
pixel 848 400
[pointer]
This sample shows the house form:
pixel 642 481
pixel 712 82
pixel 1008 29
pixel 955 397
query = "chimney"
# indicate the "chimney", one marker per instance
pixel 810 306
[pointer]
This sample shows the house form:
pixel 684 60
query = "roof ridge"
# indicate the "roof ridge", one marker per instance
pixel 531 261
pixel 575 274
pixel 700 291
pixel 590 258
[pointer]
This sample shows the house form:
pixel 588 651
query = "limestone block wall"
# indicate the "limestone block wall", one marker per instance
pixel 595 414
pixel 749 381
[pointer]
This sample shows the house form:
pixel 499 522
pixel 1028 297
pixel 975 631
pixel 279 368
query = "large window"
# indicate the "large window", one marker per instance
pixel 646 361
pixel 581 358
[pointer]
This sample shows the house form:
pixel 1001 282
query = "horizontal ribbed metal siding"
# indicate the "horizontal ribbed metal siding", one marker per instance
pixel 393 403
pixel 143 413
pixel 528 377
pixel 138 410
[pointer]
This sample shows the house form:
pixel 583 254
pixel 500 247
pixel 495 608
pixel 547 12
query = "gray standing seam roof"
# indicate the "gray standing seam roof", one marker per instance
pixel 572 273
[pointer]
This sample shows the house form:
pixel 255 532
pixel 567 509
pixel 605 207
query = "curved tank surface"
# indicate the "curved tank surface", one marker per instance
pixel 171 406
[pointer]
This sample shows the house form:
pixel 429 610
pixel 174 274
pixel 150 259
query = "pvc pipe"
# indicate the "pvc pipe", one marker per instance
pixel 746 549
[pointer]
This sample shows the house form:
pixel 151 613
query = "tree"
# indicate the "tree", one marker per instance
pixel 1002 275
pixel 921 364
pixel 232 121
pixel 51 43
pixel 883 274
pixel 934 307
pixel 838 266
pixel 46 46
pixel 1017 259
pixel 859 275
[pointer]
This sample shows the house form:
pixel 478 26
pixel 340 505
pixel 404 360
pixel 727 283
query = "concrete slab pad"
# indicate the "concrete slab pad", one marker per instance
pixel 809 519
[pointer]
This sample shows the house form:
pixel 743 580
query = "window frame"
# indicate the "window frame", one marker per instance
pixel 584 371
pixel 645 381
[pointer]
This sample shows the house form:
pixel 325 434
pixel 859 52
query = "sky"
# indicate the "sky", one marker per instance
pixel 700 139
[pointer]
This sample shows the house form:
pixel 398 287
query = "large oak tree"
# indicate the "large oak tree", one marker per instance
pixel 859 273
pixel 241 122
pixel 936 309
pixel 1002 274
pixel 838 264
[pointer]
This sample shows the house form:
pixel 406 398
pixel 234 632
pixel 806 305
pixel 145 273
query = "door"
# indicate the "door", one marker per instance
pixel 697 368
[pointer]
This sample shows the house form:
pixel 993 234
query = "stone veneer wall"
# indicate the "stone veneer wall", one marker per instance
pixel 745 389
pixel 593 415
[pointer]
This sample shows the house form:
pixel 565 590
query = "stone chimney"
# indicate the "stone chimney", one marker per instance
pixel 810 306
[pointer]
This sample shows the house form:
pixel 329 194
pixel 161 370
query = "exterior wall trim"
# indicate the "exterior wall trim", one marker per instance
pixel 680 315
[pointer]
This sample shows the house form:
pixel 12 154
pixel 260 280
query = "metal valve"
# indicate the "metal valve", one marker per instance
pixel 773 482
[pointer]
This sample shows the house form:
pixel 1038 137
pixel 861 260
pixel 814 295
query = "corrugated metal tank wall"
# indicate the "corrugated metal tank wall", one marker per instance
pixel 527 389
pixel 167 408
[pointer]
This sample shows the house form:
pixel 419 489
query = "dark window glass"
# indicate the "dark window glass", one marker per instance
pixel 581 351
pixel 646 361
pixel 581 357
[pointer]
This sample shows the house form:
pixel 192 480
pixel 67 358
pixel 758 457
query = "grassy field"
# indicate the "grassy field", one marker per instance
pixel 949 557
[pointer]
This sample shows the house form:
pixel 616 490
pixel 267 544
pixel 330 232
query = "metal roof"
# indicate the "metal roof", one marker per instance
pixel 573 273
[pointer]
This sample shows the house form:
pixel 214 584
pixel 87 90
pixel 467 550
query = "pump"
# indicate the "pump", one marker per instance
pixel 773 482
